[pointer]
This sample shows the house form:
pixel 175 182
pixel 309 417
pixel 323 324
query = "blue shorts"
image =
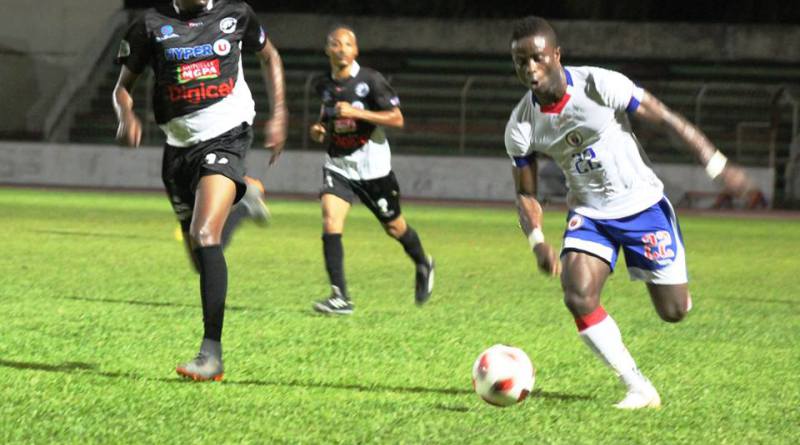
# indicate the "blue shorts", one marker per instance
pixel 651 240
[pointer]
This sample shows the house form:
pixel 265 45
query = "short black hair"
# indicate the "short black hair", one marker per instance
pixel 533 25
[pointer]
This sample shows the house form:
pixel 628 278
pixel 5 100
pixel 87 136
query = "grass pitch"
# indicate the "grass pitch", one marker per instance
pixel 99 304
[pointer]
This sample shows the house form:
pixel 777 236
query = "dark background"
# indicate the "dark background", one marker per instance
pixel 739 11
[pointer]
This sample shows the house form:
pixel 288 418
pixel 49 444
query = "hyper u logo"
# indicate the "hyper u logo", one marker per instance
pixel 189 53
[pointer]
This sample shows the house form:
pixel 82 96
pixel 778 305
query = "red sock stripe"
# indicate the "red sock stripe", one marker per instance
pixel 589 320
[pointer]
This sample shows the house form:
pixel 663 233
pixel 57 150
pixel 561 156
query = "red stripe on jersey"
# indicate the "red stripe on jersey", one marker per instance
pixel 586 321
pixel 557 107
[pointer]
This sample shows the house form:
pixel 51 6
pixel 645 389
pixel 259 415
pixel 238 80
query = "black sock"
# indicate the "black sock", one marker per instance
pixel 238 212
pixel 213 288
pixel 334 260
pixel 413 246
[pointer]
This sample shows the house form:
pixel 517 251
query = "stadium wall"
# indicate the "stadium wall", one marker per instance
pixel 299 172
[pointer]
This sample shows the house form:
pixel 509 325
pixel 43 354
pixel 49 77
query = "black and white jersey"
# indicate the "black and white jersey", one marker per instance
pixel 200 90
pixel 357 149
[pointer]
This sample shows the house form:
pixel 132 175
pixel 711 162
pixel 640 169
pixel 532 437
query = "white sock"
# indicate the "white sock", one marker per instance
pixel 601 334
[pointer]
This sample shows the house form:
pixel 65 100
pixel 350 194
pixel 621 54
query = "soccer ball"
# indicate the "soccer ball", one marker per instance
pixel 503 375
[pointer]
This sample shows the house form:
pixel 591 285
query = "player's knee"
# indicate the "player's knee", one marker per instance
pixel 203 236
pixel 579 302
pixel 672 313
pixel 393 231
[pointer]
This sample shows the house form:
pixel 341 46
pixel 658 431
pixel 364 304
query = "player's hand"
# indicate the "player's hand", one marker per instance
pixel 275 136
pixel 317 132
pixel 345 110
pixel 547 259
pixel 129 131
pixel 736 180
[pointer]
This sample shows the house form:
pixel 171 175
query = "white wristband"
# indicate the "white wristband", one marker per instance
pixel 716 164
pixel 536 237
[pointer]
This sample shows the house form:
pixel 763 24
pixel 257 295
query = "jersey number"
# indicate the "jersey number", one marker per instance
pixel 657 245
pixel 212 158
pixel 585 161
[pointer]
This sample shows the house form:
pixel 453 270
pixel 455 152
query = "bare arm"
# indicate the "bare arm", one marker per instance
pixel 129 130
pixel 530 218
pixel 388 118
pixel 276 127
pixel 653 111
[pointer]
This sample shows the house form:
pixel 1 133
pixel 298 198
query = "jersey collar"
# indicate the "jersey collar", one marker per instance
pixel 354 69
pixel 558 107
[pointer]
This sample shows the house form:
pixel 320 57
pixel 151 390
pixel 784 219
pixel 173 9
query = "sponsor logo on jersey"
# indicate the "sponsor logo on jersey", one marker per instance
pixel 195 24
pixel 362 89
pixel 124 49
pixel 228 25
pixel 167 32
pixel 575 222
pixel 344 125
pixel 574 138
pixel 188 53
pixel 262 36
pixel 204 69
pixel 222 47
pixel 349 142
pixel 200 93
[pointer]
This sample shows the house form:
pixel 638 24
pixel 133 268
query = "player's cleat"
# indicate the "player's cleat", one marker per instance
pixel 424 282
pixel 335 304
pixel 253 201
pixel 202 368
pixel 643 396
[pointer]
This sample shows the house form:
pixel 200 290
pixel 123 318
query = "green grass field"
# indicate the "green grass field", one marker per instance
pixel 99 304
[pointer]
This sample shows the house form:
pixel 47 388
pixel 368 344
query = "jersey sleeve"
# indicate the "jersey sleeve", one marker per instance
pixel 135 49
pixel 615 90
pixel 383 94
pixel 255 37
pixel 519 135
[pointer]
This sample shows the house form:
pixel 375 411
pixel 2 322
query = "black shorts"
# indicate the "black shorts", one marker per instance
pixel 182 167
pixel 380 195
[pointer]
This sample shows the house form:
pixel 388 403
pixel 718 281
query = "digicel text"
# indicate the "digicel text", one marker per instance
pixel 201 92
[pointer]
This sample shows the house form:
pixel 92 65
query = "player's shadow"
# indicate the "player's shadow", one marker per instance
pixel 90 368
pixel 92 234
pixel 157 303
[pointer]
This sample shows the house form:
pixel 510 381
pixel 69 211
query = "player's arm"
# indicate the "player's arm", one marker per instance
pixel 276 127
pixel 530 216
pixel 129 131
pixel 317 130
pixel 387 118
pixel 655 112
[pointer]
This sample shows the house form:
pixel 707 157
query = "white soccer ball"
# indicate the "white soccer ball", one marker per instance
pixel 503 375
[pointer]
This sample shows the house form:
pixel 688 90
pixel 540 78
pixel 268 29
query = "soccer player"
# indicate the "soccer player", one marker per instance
pixel 205 108
pixel 578 116
pixel 356 103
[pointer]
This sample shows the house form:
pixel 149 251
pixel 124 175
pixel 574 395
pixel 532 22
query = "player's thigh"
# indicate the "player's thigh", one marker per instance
pixel 213 200
pixel 334 213
pixel 381 196
pixel 582 279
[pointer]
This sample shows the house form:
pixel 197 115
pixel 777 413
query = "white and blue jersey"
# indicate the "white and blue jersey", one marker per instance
pixel 589 136
pixel 614 197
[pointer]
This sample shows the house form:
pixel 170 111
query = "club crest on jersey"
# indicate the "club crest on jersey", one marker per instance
pixel 228 25
pixel 574 138
pixel 575 222
pixel 167 32
pixel 362 89
pixel 222 47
